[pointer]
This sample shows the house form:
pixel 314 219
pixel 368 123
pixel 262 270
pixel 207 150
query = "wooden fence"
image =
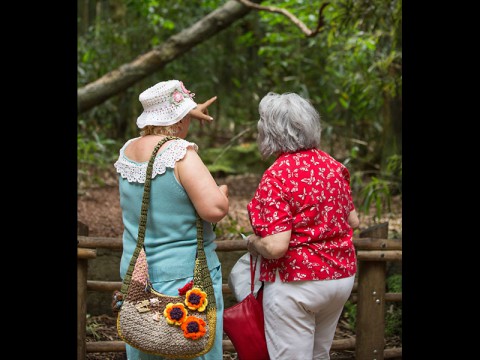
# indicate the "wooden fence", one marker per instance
pixel 374 250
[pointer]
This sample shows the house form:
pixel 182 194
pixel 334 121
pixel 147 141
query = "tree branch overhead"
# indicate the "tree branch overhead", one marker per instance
pixel 126 75
pixel 118 80
pixel 296 21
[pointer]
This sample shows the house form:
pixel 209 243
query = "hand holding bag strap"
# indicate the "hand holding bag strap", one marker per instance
pixel 143 215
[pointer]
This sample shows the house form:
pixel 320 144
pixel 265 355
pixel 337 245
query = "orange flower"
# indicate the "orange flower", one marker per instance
pixel 196 299
pixel 194 328
pixel 175 313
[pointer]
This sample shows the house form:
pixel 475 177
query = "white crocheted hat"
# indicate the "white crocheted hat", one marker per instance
pixel 165 103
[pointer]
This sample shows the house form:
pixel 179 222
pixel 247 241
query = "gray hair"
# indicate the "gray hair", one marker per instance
pixel 287 123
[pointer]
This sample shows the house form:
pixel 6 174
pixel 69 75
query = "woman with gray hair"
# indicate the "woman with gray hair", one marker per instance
pixel 302 216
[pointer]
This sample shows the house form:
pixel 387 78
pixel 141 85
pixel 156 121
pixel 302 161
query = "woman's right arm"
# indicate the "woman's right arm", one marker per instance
pixel 270 247
pixel 209 199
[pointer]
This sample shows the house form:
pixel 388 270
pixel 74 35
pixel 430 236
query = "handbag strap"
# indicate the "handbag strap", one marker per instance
pixel 253 268
pixel 200 263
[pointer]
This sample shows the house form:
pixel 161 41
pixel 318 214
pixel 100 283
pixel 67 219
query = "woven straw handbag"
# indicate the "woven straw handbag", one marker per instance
pixel 175 327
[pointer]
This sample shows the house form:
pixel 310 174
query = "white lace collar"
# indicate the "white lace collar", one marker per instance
pixel 136 171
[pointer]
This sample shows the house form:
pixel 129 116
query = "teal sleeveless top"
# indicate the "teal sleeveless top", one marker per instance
pixel 171 233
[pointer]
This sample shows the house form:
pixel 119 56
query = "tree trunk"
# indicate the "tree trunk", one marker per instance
pixel 86 13
pixel 126 75
pixel 391 139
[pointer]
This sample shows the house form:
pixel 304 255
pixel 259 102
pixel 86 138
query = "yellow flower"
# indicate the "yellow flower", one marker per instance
pixel 175 313
pixel 194 328
pixel 196 299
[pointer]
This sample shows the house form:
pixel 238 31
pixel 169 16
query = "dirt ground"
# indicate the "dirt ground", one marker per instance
pixel 99 209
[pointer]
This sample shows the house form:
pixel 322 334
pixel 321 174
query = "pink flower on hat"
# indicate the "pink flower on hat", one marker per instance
pixel 184 89
pixel 177 97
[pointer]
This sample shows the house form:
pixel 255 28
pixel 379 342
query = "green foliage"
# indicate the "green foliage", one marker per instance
pixel 350 313
pixel 376 188
pixel 229 227
pixel 92 326
pixel 347 70
pixel 95 153
pixel 394 171
pixel 377 192
pixel 393 321
pixel 393 316
pixel 236 159
pixel 394 283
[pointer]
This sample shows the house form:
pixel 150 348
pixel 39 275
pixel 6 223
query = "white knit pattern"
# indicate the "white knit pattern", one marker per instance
pixel 136 171
pixel 165 103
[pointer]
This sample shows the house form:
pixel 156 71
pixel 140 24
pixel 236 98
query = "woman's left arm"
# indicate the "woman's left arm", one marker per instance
pixel 270 247
pixel 353 220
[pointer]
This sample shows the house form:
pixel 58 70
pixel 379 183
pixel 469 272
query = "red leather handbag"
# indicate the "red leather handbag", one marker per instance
pixel 243 324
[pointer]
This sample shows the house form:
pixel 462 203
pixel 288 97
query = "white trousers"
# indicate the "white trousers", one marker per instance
pixel 301 317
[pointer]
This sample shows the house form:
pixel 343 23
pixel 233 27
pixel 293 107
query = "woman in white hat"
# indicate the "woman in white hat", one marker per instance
pixel 186 185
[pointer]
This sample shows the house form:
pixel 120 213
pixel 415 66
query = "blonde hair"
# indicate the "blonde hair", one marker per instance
pixel 170 130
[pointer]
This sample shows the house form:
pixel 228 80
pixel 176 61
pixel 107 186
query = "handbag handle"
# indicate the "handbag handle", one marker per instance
pixel 199 270
pixel 253 268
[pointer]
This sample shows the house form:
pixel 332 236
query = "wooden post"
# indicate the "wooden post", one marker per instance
pixel 82 269
pixel 370 322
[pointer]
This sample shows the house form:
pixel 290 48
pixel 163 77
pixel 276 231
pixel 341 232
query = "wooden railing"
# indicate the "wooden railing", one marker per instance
pixel 374 250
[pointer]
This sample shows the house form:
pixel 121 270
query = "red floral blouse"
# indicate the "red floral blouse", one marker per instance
pixel 307 192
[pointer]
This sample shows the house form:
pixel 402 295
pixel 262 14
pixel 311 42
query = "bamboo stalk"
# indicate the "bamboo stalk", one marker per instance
pixel 86 253
pixel 235 245
pixel 376 255
pixel 105 346
pixel 95 285
pixel 338 344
